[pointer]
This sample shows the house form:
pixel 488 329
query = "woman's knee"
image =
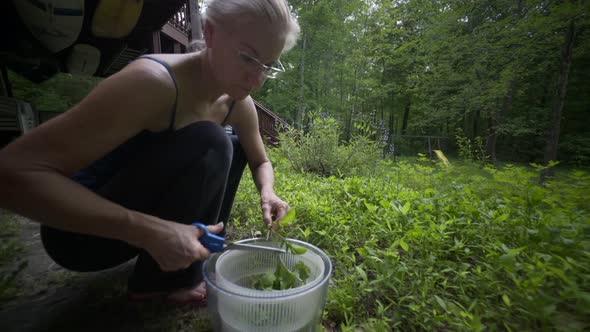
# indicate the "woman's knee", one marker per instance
pixel 84 253
pixel 211 136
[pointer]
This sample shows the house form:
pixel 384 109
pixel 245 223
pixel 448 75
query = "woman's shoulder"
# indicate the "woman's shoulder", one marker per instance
pixel 244 113
pixel 154 70
pixel 170 58
pixel 246 103
pixel 159 62
pixel 244 108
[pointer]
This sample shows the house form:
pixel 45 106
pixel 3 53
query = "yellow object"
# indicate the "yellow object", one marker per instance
pixel 116 18
pixel 441 156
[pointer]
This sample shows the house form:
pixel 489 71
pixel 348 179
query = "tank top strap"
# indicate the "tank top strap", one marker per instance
pixel 169 69
pixel 231 107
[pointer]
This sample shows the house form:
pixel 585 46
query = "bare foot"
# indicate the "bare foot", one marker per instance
pixel 189 295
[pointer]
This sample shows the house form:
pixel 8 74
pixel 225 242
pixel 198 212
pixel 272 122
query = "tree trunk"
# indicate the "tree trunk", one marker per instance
pixel 391 128
pixel 341 77
pixel 358 70
pixel 349 121
pixel 491 137
pixel 557 109
pixel 495 120
pixel 406 114
pixel 475 127
pixel 349 124
pixel 301 108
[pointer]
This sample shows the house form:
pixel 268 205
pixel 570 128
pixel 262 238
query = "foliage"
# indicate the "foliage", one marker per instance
pixel 577 148
pixel 465 150
pixel 320 150
pixel 10 248
pixel 469 151
pixel 432 67
pixel 283 278
pixel 462 248
pixel 55 95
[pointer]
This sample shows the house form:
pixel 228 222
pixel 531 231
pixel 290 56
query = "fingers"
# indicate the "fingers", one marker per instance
pixel 266 215
pixel 201 253
pixel 282 209
pixel 183 248
pixel 217 228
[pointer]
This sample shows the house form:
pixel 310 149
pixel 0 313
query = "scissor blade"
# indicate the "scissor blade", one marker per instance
pixel 246 246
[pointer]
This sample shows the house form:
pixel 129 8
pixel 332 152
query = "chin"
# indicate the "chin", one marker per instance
pixel 239 94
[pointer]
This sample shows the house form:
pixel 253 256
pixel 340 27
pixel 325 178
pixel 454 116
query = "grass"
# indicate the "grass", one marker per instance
pixel 419 246
pixel 10 263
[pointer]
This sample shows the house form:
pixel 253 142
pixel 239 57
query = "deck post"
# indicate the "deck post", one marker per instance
pixel 156 43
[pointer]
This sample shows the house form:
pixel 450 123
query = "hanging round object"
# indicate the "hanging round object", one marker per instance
pixel 55 23
pixel 84 60
pixel 116 18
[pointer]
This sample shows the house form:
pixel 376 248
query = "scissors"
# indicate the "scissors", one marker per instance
pixel 216 243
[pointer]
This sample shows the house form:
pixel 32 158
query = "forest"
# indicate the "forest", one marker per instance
pixel 513 73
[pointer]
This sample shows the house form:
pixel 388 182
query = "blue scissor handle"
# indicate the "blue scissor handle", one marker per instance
pixel 209 240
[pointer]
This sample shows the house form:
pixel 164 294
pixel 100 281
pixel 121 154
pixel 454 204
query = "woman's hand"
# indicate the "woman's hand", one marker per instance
pixel 176 246
pixel 273 209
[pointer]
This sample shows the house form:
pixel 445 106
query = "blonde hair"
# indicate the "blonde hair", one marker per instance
pixel 275 12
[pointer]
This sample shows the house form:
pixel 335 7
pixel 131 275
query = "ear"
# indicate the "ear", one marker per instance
pixel 208 33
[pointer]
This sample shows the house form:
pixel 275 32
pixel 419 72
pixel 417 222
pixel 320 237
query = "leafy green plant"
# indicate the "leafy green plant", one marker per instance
pixel 283 278
pixel 471 151
pixel 462 248
pixel 11 265
pixel 320 150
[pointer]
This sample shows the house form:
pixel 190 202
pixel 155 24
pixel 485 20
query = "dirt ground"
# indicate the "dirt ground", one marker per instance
pixel 50 298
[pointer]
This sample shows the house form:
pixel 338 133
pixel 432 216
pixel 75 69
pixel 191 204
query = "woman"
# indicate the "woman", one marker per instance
pixel 126 171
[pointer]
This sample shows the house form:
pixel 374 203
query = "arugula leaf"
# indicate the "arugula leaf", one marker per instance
pixel 303 270
pixel 288 219
pixel 296 250
pixel 285 279
pixel 263 281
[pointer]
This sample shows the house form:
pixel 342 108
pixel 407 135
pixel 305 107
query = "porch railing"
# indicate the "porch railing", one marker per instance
pixel 180 20
pixel 269 124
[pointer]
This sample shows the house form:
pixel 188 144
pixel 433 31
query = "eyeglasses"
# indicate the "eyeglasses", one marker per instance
pixel 271 71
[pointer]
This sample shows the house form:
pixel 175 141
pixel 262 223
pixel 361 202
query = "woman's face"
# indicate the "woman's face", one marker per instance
pixel 243 53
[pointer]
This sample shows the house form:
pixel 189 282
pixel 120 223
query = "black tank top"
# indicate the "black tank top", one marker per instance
pixel 103 169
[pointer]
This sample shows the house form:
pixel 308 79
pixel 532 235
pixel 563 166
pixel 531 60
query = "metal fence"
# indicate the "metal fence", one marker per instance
pixel 411 145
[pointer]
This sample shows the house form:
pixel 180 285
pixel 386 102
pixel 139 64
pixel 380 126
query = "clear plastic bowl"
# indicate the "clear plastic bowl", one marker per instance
pixel 236 307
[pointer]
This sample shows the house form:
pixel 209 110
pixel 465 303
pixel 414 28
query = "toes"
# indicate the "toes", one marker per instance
pixel 187 295
pixel 201 290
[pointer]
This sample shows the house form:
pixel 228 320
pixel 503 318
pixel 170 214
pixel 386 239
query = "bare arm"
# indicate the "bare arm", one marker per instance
pixel 273 208
pixel 35 169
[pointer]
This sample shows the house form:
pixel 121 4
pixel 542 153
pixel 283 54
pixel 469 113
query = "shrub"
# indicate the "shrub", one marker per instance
pixel 471 151
pixel 319 149
pixel 421 247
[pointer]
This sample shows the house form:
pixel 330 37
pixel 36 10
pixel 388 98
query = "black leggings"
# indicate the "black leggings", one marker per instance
pixel 185 177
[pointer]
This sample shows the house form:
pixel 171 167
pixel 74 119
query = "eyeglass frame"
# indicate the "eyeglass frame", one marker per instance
pixel 273 72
